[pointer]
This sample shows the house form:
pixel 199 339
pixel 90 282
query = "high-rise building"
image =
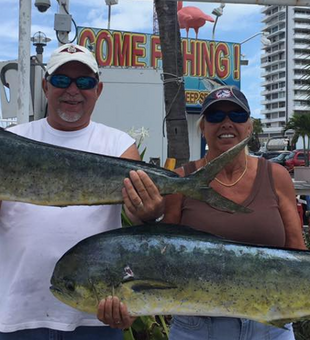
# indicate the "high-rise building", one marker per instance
pixel 284 66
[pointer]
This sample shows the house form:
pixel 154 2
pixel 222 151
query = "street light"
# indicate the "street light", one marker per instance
pixel 265 41
pixel 218 12
pixel 110 3
pixel 40 40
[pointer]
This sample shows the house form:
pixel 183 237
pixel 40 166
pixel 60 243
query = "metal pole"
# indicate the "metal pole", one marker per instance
pixel 38 95
pixel 109 16
pixel 213 31
pixel 253 36
pixel 23 101
pixel 261 2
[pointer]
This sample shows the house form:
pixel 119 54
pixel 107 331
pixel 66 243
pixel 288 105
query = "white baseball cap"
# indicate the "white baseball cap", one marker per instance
pixel 71 52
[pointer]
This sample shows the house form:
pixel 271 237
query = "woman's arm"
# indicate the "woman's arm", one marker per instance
pixel 288 208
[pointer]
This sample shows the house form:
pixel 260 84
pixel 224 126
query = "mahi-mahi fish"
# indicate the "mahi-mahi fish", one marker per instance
pixel 174 270
pixel 45 174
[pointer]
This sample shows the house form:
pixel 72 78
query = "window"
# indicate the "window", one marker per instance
pixel 301 157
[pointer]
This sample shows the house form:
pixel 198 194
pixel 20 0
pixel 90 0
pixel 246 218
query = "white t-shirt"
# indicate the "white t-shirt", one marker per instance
pixel 33 238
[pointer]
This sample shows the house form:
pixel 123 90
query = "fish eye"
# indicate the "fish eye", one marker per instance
pixel 70 286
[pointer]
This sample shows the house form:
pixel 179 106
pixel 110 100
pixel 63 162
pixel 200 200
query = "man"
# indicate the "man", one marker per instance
pixel 33 238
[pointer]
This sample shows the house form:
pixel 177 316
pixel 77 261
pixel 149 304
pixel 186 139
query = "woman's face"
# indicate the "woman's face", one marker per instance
pixel 224 135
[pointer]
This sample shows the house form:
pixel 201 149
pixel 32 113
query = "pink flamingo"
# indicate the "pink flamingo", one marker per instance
pixel 192 17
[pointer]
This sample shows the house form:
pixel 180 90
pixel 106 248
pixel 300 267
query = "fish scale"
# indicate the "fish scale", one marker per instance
pixel 45 174
pixel 175 270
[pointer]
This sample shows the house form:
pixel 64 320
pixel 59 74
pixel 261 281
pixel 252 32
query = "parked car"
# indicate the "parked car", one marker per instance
pixel 280 159
pixel 295 158
pixel 271 154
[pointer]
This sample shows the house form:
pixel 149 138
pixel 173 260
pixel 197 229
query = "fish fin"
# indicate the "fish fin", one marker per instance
pixel 281 323
pixel 222 203
pixel 142 285
pixel 209 171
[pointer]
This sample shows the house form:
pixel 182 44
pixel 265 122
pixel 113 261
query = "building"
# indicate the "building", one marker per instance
pixel 284 65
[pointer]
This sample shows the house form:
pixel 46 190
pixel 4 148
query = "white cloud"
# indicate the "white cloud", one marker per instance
pixel 9 31
pixel 237 24
pixel 127 16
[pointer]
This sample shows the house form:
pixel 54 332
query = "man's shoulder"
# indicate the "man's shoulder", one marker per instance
pixel 108 131
pixel 26 128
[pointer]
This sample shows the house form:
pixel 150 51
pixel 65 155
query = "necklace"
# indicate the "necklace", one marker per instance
pixel 239 179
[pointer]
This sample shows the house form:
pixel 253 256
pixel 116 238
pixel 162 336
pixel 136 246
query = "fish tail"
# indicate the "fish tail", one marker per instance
pixel 197 186
pixel 213 198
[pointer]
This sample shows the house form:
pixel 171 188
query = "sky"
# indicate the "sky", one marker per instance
pixel 238 23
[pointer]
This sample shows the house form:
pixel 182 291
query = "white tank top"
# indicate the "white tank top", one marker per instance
pixel 33 238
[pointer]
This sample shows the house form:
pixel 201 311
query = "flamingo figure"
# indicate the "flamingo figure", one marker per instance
pixel 192 17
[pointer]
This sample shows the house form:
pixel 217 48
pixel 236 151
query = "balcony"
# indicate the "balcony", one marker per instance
pixel 301 25
pixel 299 35
pixel 271 101
pixel 299 86
pixel 273 121
pixel 301 108
pixel 303 96
pixel 273 130
pixel 300 56
pixel 271 91
pixel 301 46
pixel 302 16
pixel 270 111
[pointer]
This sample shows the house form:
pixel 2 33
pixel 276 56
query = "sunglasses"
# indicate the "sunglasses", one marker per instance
pixel 63 82
pixel 219 116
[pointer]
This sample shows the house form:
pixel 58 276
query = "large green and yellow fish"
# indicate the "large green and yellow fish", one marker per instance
pixel 44 174
pixel 175 270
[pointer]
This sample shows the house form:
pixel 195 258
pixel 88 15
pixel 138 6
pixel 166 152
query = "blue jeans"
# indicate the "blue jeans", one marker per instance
pixel 219 328
pixel 80 333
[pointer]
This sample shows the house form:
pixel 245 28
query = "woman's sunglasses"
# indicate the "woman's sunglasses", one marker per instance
pixel 62 82
pixel 219 116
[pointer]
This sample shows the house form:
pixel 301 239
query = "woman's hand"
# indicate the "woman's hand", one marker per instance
pixel 141 197
pixel 114 313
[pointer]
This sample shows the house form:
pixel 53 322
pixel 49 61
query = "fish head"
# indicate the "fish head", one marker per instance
pixel 71 285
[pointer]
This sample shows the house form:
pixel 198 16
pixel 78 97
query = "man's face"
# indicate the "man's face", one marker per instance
pixel 71 108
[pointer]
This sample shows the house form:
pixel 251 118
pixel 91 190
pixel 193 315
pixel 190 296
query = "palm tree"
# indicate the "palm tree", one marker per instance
pixel 301 126
pixel 170 41
pixel 254 144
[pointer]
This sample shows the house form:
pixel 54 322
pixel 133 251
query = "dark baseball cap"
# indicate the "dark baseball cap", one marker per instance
pixel 225 93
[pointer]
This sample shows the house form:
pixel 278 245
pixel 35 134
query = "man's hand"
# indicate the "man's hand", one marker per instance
pixel 141 196
pixel 114 313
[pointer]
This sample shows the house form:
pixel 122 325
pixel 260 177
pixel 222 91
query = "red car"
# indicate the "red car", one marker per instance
pixel 295 158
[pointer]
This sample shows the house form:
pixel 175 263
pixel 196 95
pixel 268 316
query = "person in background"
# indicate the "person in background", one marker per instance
pixel 33 238
pixel 264 187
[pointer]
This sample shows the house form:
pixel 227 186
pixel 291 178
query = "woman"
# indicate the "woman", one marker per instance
pixel 264 187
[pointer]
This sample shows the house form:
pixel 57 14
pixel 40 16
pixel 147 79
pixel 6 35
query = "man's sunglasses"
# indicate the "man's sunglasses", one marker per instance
pixel 62 82
pixel 219 116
